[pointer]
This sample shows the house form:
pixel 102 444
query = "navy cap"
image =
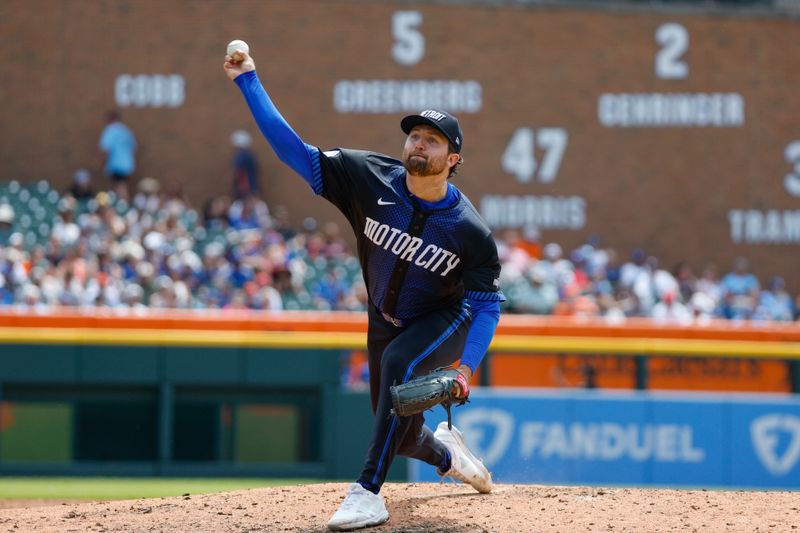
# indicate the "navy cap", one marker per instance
pixel 441 120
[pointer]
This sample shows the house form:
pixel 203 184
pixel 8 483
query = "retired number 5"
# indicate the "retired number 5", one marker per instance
pixel 409 43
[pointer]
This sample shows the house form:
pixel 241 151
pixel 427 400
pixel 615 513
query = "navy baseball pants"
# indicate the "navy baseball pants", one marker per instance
pixel 396 354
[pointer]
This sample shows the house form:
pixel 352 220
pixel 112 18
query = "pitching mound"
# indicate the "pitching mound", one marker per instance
pixel 427 508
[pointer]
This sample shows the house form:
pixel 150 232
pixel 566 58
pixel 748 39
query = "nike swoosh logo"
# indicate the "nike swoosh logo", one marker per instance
pixel 382 202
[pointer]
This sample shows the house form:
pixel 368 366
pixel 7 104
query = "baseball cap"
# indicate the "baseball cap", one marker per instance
pixel 441 120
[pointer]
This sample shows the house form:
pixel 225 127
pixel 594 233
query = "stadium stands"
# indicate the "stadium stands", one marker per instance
pixel 159 252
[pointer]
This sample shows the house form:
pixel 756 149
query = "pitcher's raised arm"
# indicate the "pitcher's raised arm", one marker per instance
pixel 288 146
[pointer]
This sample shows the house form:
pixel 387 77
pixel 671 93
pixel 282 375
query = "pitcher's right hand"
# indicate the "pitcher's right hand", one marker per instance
pixel 235 69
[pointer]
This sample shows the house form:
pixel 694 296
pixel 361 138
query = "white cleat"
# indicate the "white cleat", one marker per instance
pixel 465 467
pixel 360 508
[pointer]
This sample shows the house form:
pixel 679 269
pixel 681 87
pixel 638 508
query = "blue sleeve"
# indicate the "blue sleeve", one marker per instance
pixel 288 146
pixel 485 316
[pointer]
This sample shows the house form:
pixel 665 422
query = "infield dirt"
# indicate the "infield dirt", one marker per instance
pixel 426 507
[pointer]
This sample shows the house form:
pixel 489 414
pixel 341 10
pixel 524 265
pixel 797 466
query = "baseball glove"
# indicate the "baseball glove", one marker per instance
pixel 442 386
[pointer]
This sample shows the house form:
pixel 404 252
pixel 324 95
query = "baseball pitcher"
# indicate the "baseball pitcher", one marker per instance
pixel 431 269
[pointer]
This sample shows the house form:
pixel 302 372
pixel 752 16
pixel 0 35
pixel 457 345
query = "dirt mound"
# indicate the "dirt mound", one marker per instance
pixel 428 508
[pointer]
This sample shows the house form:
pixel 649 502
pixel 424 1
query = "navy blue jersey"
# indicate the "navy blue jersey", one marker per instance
pixel 416 256
pixel 415 260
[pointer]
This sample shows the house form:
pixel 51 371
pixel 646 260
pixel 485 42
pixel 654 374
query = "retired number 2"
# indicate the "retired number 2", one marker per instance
pixel 674 41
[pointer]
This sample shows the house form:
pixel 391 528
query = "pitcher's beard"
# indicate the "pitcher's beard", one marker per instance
pixel 423 166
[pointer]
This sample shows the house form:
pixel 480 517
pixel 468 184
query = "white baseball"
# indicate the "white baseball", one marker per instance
pixel 237 45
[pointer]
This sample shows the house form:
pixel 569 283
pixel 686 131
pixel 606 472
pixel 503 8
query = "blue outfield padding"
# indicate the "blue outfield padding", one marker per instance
pixel 630 438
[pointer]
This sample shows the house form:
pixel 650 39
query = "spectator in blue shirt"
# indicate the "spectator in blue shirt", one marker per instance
pixel 775 303
pixel 740 291
pixel 118 147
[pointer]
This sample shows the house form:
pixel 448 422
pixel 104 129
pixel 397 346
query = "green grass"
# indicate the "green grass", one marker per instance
pixel 111 488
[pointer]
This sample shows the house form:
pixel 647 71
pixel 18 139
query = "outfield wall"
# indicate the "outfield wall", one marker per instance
pixel 569 351
pixel 624 438
pixel 255 394
pixel 159 410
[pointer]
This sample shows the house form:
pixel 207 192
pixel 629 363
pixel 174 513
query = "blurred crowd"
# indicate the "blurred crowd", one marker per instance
pixel 594 281
pixel 86 249
pixel 159 252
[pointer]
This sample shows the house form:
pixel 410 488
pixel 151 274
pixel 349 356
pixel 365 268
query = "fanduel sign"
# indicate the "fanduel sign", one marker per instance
pixel 598 437
pixel 609 442
pixel 601 441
